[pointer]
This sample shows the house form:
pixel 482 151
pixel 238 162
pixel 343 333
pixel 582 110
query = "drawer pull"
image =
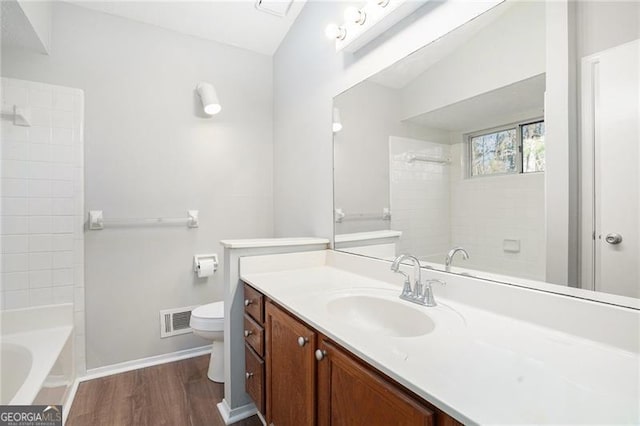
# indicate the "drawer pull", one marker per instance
pixel 320 354
pixel 249 375
pixel 302 341
pixel 248 333
pixel 248 302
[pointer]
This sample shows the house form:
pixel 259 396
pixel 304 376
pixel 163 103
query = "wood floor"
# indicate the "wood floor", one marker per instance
pixel 174 394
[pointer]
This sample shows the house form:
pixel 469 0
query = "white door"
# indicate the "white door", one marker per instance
pixel 616 125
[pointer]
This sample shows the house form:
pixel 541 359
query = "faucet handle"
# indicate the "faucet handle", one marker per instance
pixel 406 287
pixel 436 281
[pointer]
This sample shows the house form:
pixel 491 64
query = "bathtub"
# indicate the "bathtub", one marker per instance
pixel 36 355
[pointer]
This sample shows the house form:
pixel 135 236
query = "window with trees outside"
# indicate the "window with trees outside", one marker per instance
pixel 517 148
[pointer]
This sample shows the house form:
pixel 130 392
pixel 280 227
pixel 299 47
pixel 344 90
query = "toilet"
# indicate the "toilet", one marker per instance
pixel 207 321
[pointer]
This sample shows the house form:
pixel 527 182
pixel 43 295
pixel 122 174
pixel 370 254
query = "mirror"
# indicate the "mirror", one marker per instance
pixel 445 155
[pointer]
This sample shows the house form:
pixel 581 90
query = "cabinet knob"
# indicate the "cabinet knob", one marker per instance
pixel 320 354
pixel 302 341
pixel 247 302
pixel 248 333
pixel 249 375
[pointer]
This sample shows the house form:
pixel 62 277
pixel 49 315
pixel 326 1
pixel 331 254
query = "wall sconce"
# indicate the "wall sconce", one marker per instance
pixel 209 98
pixel 366 23
pixel 337 123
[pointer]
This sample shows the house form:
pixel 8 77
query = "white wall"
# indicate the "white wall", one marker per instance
pixel 149 152
pixel 42 201
pixel 510 49
pixel 308 73
pixel 39 15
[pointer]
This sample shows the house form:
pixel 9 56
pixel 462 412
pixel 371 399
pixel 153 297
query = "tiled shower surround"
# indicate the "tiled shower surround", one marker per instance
pixel 42 200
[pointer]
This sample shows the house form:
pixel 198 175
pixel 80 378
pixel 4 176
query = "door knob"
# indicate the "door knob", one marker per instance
pixel 613 238
pixel 320 354
pixel 302 341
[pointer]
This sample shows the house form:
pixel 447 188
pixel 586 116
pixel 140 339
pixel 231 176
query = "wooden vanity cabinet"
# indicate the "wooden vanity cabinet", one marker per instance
pixel 351 394
pixel 311 381
pixel 254 346
pixel 291 370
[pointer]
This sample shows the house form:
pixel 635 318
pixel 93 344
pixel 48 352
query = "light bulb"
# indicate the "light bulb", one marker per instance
pixel 335 32
pixel 353 14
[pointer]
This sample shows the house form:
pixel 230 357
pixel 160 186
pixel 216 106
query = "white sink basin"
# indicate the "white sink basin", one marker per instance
pixel 381 316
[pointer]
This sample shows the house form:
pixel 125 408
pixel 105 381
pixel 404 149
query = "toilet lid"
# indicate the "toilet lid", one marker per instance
pixel 210 311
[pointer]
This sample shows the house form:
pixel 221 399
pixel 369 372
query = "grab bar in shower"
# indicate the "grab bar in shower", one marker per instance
pixel 98 222
pixel 340 216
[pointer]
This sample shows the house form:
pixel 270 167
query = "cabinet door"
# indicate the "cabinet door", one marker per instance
pixel 291 374
pixel 351 394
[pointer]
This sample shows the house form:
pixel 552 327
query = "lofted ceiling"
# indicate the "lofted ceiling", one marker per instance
pixel 235 22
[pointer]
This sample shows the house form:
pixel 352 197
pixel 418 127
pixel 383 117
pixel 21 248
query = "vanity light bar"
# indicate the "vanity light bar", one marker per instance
pixel 365 24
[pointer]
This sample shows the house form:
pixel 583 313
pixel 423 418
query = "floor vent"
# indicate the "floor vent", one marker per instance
pixel 175 321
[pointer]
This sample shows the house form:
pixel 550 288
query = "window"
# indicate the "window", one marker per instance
pixel 518 148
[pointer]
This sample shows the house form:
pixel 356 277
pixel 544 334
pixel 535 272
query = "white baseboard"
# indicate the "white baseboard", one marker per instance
pixel 234 415
pixel 136 364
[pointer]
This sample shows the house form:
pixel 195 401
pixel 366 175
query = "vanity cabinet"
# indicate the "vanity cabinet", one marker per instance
pixel 254 346
pixel 311 380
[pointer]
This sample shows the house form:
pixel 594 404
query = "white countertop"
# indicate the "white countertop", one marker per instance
pixel 478 366
pixel 273 242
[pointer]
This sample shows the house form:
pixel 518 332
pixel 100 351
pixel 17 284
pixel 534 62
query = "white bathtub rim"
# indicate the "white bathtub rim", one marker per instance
pixel 45 346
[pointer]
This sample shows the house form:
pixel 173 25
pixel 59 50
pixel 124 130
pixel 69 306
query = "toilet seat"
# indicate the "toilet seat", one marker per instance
pixel 209 317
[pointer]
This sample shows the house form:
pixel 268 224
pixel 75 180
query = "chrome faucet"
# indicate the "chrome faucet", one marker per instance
pixel 407 291
pixel 451 254
pixel 421 294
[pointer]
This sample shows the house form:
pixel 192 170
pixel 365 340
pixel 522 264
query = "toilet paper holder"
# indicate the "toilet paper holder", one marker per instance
pixel 200 257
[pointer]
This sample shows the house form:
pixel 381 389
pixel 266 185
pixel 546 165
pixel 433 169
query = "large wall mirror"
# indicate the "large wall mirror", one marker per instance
pixel 445 154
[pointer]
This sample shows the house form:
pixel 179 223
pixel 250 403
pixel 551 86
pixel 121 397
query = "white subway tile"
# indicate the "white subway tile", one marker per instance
pixel 62 242
pixel 12 95
pixel 62 206
pixel 78 298
pixel 16 299
pixel 13 206
pixel 39 261
pixel 40 98
pixel 41 117
pixel 78 275
pixel 14 133
pixel 14 244
pixel 62 119
pixel 15 262
pixel 14 187
pixel 40 279
pixel 62 100
pixel 14 225
pixel 39 170
pixel 61 189
pixel 40 224
pixel 62 172
pixel 63 294
pixel 39 188
pixel 40 296
pixel 63 277
pixel 62 259
pixel 15 281
pixel 40 135
pixel 62 136
pixel 39 152
pixel 62 224
pixel 15 150
pixel 39 243
pixel 17 169
pixel 40 206
pixel 62 154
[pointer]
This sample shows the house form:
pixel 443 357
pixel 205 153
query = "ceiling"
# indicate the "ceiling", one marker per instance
pixel 521 100
pixel 235 22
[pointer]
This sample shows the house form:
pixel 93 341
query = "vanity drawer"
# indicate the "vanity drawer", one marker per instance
pixel 254 382
pixel 254 303
pixel 254 335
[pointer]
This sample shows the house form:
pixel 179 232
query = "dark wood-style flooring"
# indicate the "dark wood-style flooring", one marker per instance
pixel 174 394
